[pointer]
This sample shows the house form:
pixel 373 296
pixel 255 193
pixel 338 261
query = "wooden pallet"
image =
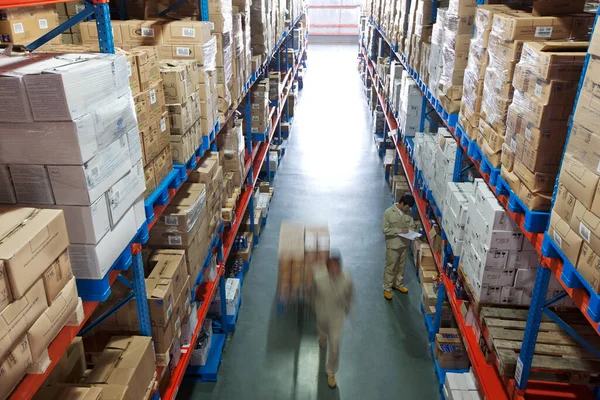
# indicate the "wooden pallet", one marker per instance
pixel 556 353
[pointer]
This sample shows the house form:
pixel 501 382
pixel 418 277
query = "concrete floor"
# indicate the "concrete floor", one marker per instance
pixel 330 173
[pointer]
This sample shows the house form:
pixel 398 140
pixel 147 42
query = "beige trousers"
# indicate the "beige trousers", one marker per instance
pixel 394 268
pixel 331 329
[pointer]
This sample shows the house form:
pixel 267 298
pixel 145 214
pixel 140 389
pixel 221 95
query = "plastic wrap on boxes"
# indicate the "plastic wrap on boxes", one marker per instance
pixel 209 50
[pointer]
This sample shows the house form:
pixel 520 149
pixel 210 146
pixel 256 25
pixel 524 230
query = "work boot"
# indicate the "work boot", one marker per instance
pixel 401 289
pixel 387 294
pixel 331 381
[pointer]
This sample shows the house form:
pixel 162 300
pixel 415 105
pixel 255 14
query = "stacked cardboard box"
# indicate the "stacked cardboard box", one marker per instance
pixel 476 67
pixel 451 354
pixel 210 173
pixel 574 219
pixel 124 369
pixel 498 263
pixel 509 31
pixel 75 147
pixel 261 39
pixel 454 217
pixel 458 31
pixel 259 113
pixel 66 11
pixel 184 224
pixel 220 14
pixel 441 148
pixel 243 8
pixel 38 294
pixel 409 110
pixel 24 25
pixel 460 386
pixel 232 151
pixel 545 82
pixel 435 64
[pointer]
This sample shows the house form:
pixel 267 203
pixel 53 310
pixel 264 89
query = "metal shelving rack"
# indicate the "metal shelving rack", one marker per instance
pixel 221 244
pixel 493 385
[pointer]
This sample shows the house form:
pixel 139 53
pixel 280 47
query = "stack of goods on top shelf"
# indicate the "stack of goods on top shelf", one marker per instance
pixel 576 211
pixel 68 10
pixel 75 147
pixel 259 109
pixel 210 173
pixel 222 24
pixel 410 107
pixel 38 293
pixel 302 248
pixel 24 25
pixel 124 368
pixel 232 153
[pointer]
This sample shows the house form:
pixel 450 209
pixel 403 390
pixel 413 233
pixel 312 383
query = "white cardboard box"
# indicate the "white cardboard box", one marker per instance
pixel 114 120
pixel 86 224
pixel 67 92
pixel 94 261
pixel 124 193
pixel 82 185
pixel 32 184
pixel 135 145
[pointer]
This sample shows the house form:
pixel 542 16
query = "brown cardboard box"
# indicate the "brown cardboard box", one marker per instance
pixel 505 51
pixel 28 26
pixel 522 26
pixel 37 237
pixel 19 315
pixel 163 128
pixel 492 156
pixel 57 276
pixel 555 60
pixel 557 7
pixel 564 203
pixel 589 266
pixel 169 264
pixel 552 92
pixel 134 75
pixel 566 239
pixel 127 361
pixel 507 159
pixel 205 172
pixel 536 182
pixel 587 225
pixel 5 295
pixel 150 179
pixel 155 101
pixel 89 32
pixel 71 366
pixel 147 63
pixel 163 165
pixel 537 138
pixel 13 367
pixel 535 201
pixel 150 144
pixel 70 392
pixel 186 32
pixel 591 81
pixel 578 180
pixel 184 210
pixel 540 115
pixel 180 117
pixel 451 357
pixel 45 329
pixel 139 33
pixel 582 27
pixel 174 83
pixel 161 300
pixel 163 337
pixel 141 109
pixel 541 159
pixel 511 178
pixel 182 52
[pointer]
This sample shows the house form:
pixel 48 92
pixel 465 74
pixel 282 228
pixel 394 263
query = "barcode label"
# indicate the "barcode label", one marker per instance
pixel 43 23
pixel 175 240
pixel 183 51
pixel 513 145
pixel 212 26
pixel 188 32
pixel 18 27
pixel 152 96
pixel 557 239
pixel 255 118
pixel 528 134
pixel 169 311
pixel 163 124
pixel 584 232
pixel 171 220
pixel 543 31
pixel 538 89
pixel 129 73
pixel 255 106
pixel 147 32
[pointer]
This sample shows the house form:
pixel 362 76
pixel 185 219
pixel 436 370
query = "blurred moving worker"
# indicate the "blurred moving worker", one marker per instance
pixel 397 220
pixel 334 292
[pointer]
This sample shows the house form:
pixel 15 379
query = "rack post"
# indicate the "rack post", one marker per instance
pixel 139 287
pixel 105 34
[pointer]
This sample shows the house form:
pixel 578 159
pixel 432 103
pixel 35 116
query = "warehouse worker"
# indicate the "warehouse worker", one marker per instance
pixel 334 291
pixel 397 220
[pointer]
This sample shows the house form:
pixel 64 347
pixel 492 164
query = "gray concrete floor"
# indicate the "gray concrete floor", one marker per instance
pixel 330 173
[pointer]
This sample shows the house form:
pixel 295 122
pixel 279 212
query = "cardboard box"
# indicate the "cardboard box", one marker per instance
pixel 544 159
pixel 587 225
pixel 5 295
pixel 69 392
pixel 451 356
pixel 524 26
pixel 555 92
pixel 163 165
pixel 57 276
pixel 155 101
pixel 127 361
pixel 174 83
pixel 14 366
pixel 20 315
pixel 589 267
pixel 37 238
pixel 70 367
pixel 161 300
pixel 555 60
pixel 536 182
pixel 169 264
pixel 557 7
pixel 186 32
pixel 535 201
pixel 123 194
pixel 94 261
pixel 45 329
pixel 564 203
pixel 566 239
pixel 584 146
pixel 578 180
pixel 149 179
pixel 139 33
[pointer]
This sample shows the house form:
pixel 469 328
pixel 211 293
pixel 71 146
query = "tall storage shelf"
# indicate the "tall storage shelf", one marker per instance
pixel 257 150
pixel 534 227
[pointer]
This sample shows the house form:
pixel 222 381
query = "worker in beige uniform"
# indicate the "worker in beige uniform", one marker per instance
pixel 397 220
pixel 333 291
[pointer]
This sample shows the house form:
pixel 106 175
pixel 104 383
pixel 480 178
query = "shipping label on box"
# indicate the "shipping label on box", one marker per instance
pixel 57 276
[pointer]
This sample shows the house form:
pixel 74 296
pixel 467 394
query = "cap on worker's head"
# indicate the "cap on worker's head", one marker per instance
pixel 335 254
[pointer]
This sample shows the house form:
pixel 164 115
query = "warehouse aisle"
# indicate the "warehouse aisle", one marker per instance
pixel 331 172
